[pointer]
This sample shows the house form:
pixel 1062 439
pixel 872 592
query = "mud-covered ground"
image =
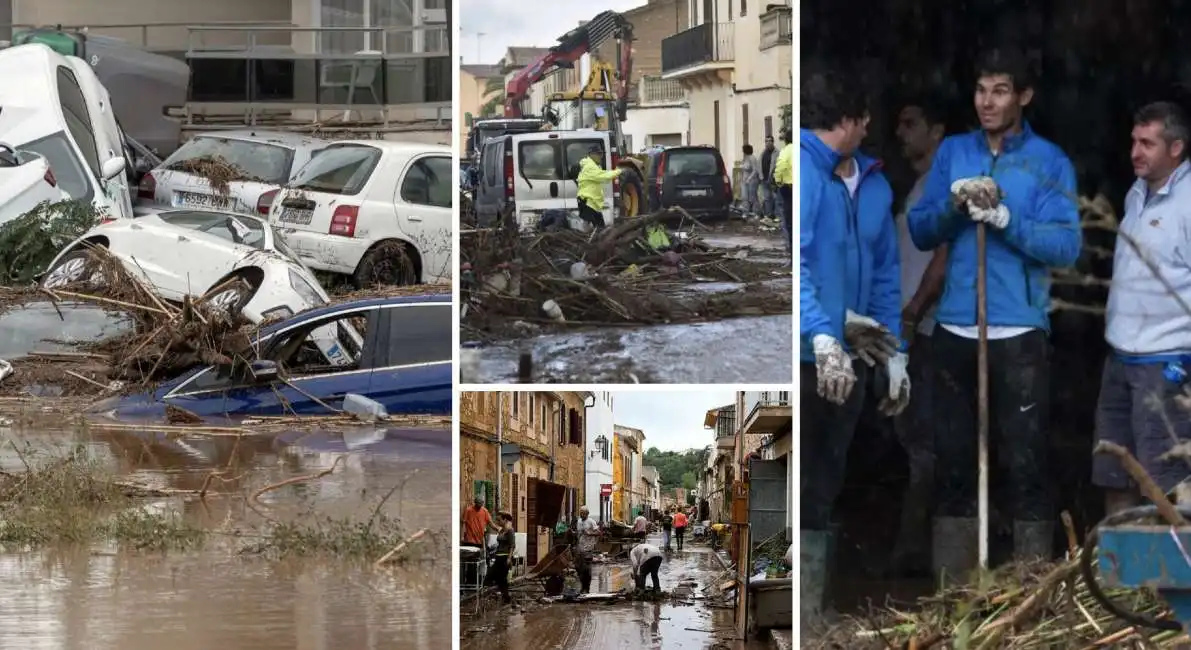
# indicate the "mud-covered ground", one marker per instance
pixel 292 566
pixel 736 336
pixel 686 621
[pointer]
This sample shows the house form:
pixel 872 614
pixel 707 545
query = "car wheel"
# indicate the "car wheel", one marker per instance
pixel 230 296
pixel 79 267
pixel 387 263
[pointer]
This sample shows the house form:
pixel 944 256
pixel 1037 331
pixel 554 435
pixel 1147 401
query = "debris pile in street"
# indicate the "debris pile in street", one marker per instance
pixel 1020 606
pixel 615 276
pixel 218 172
pixel 31 241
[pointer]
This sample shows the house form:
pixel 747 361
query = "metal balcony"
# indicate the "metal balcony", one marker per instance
pixel 769 412
pixel 777 27
pixel 656 91
pixel 707 47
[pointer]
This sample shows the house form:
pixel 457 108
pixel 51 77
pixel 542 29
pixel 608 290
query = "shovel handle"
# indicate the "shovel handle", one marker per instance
pixel 982 388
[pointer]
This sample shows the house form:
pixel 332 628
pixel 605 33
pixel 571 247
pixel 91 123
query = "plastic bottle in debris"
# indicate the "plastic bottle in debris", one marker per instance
pixel 363 408
pixel 553 311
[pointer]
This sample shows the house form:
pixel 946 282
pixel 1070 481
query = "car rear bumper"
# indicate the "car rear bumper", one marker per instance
pixel 325 252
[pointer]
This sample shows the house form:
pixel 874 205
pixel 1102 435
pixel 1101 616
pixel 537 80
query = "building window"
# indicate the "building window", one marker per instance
pixel 744 8
pixel 516 404
pixel 381 14
pixel 744 119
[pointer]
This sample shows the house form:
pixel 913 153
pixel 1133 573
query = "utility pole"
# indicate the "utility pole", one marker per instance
pixel 479 41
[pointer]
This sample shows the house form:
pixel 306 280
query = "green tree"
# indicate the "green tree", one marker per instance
pixel 788 117
pixel 494 90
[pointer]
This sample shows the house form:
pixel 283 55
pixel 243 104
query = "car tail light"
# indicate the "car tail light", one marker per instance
pixel 615 181
pixel 49 177
pixel 343 222
pixel 661 171
pixel 509 187
pixel 147 189
pixel 265 202
pixel 726 178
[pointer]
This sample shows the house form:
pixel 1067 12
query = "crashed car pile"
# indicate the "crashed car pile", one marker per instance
pixel 645 270
pixel 189 284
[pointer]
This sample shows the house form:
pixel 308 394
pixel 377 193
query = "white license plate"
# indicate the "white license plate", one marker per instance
pixel 696 192
pixel 200 201
pixel 294 215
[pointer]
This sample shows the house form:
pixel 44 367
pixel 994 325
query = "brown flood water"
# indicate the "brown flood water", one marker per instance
pixel 102 598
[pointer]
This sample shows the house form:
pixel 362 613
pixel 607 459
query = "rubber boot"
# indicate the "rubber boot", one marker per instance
pixel 954 548
pixel 815 552
pixel 1033 540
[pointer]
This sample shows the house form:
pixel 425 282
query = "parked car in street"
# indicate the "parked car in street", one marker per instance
pixel 693 178
pixel 267 159
pixel 197 253
pixel 403 363
pixel 25 182
pixel 55 106
pixel 379 212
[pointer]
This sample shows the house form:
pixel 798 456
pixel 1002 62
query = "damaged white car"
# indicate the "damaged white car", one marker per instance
pixel 199 253
pixel 25 182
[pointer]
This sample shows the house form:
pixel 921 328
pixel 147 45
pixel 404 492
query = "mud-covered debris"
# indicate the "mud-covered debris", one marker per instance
pixel 218 171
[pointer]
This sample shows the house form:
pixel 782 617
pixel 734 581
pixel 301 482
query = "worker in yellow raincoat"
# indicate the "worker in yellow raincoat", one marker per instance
pixel 591 180
pixel 783 177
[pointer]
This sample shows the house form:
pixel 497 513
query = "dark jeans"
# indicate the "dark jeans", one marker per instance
pixel 649 568
pixel 915 429
pixel 787 194
pixel 499 576
pixel 591 215
pixel 1019 395
pixel 826 432
pixel 678 533
pixel 1138 410
pixel 583 568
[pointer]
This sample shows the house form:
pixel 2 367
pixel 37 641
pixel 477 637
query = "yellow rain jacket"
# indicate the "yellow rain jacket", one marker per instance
pixel 783 170
pixel 591 182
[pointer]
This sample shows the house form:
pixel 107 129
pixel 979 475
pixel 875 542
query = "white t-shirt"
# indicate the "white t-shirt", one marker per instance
pixel 913 261
pixel 587 529
pixel 641 524
pixel 640 554
pixel 852 182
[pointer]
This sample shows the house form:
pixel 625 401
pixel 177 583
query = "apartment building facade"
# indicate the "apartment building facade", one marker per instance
pixel 626 472
pixel 600 443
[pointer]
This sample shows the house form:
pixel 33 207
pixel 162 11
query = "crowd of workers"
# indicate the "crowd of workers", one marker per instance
pixel 893 302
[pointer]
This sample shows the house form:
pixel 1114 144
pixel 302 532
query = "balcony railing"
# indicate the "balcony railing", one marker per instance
pixel 706 43
pixel 655 90
pixel 776 27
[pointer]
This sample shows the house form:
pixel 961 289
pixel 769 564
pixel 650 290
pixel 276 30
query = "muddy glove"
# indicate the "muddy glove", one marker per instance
pixel 833 369
pixel 869 341
pixel 997 217
pixel 899 386
pixel 979 191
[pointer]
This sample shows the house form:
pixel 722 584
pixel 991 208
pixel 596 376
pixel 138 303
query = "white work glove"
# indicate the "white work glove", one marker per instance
pixel 833 369
pixel 898 398
pixel 869 341
pixel 997 217
pixel 979 191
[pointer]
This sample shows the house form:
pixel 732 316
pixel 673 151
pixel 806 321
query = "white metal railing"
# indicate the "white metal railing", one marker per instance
pixel 777 27
pixel 655 90
pixel 154 37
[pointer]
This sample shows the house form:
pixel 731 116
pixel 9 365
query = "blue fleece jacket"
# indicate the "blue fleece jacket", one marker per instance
pixel 847 247
pixel 1038 183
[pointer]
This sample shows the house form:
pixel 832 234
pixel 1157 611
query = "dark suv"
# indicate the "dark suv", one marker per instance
pixel 693 178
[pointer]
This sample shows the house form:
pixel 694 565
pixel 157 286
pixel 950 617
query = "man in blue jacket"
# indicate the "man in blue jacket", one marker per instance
pixel 849 291
pixel 1022 187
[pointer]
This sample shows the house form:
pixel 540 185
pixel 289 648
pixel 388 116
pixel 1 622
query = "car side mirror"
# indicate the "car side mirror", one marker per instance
pixel 113 167
pixel 264 371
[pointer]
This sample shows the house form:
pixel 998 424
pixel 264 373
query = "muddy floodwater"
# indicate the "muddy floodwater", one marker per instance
pixel 690 625
pixel 104 598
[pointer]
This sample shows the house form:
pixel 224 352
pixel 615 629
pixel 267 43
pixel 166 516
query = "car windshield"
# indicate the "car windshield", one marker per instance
pixel 338 170
pixel 65 163
pixel 694 162
pixel 235 229
pixel 255 161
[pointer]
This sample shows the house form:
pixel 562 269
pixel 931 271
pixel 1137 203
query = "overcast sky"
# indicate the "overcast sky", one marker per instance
pixel 527 23
pixel 671 421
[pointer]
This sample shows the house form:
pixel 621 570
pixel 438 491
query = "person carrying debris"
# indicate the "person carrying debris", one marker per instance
pixel 506 541
pixel 680 522
pixel 849 296
pixel 1022 188
pixel 1146 324
pixel 591 180
pixel 645 560
pixel 588 534
pixel 476 523
pixel 667 525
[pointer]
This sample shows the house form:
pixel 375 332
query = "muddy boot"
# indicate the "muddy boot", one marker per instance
pixel 954 548
pixel 815 554
pixel 1033 540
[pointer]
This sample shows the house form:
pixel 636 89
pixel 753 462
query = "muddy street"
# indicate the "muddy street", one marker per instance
pixel 687 622
pixel 294 567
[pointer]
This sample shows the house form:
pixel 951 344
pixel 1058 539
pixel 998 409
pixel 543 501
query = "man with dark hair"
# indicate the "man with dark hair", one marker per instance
pixel 920 128
pixel 848 284
pixel 1146 325
pixel 768 157
pixel 1022 188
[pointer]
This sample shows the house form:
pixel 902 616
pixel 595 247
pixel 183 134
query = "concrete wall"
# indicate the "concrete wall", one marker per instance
pixel 645 122
pixel 599 469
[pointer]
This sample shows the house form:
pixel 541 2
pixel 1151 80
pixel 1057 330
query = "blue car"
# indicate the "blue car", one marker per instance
pixel 397 352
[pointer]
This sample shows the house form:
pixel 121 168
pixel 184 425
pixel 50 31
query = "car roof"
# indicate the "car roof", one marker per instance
pixel 410 148
pixel 28 97
pixel 263 136
pixel 363 303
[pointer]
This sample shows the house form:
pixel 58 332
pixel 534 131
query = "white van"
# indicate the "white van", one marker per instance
pixel 530 173
pixel 55 107
pixel 377 211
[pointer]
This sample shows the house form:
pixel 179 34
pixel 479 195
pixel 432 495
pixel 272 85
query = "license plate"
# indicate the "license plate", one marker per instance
pixel 696 192
pixel 196 200
pixel 295 215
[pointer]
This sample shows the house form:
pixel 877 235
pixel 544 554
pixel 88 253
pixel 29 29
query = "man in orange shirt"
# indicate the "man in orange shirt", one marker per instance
pixel 476 523
pixel 680 522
